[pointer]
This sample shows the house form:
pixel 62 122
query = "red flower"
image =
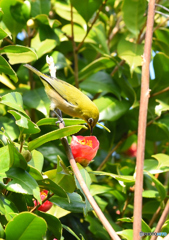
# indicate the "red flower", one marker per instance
pixel 46 205
pixel 84 149
pixel 132 151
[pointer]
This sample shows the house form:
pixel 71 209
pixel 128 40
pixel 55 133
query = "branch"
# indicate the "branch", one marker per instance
pixel 142 122
pixel 93 22
pixel 44 200
pixel 86 191
pixel 74 51
pixel 161 221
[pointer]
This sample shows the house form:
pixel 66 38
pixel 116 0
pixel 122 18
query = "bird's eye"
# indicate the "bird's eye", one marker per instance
pixel 90 121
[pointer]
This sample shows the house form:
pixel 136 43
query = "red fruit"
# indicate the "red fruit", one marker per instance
pixel 132 151
pixel 46 205
pixel 84 149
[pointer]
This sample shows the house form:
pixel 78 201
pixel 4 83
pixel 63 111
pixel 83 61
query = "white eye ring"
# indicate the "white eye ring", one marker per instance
pixel 90 120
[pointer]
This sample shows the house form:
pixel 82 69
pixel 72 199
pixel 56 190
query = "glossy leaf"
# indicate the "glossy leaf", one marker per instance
pixel 52 121
pixel 131 53
pixel 26 225
pixel 13 100
pixel 53 223
pixel 37 160
pixel 19 54
pixel 56 134
pixel 21 182
pixel 26 126
pixel 86 8
pixel 110 108
pixel 133 14
pixel 74 204
pixel 38 99
pixel 55 188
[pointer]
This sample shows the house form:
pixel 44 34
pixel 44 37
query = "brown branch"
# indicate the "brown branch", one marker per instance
pixel 93 22
pixel 86 191
pixel 162 91
pixel 117 67
pixel 9 41
pixel 74 51
pixel 161 221
pixel 155 216
pixel 142 122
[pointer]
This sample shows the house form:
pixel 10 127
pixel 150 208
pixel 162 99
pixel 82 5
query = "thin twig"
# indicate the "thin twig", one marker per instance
pixel 162 220
pixel 93 22
pixel 155 216
pixel 161 6
pixel 86 191
pixel 74 51
pixel 142 122
pixel 117 67
pixel 162 91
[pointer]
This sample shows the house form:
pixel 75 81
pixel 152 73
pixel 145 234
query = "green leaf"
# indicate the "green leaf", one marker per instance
pixel 150 194
pixel 122 178
pixel 70 231
pixel 52 121
pixel 110 108
pixel 19 54
pixel 160 188
pixel 63 10
pixel 157 132
pixel 37 160
pixel 161 164
pixel 5 158
pixel 51 186
pixel 133 15
pixel 37 99
pixel 7 208
pixel 3 33
pixel 100 82
pixel 98 34
pixel 43 47
pixel 64 180
pixel 20 11
pixel 131 53
pixel 94 66
pixel 26 226
pixel 96 228
pixel 40 7
pixel 56 134
pixel 7 69
pixel 26 126
pixel 54 225
pixel 10 128
pixel 74 204
pixel 162 34
pixel 99 189
pixel 162 107
pixel 16 158
pixel 13 26
pixel 21 182
pixel 86 8
pixel 126 234
pixel 34 173
pixel 13 100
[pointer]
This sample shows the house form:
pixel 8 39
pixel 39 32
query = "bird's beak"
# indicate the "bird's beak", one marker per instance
pixel 91 130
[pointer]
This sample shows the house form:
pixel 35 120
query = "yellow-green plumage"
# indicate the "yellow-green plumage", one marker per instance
pixel 68 98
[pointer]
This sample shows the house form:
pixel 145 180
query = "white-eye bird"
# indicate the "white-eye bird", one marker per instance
pixel 68 98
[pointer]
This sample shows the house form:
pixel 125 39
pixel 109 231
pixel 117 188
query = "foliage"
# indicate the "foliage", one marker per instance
pixel 105 52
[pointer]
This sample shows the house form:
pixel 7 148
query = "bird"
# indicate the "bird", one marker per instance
pixel 68 98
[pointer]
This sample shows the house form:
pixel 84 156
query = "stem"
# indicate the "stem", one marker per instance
pixel 162 91
pixel 162 220
pixel 142 123
pixel 155 216
pixel 93 22
pixel 117 67
pixel 44 200
pixel 86 191
pixel 74 51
